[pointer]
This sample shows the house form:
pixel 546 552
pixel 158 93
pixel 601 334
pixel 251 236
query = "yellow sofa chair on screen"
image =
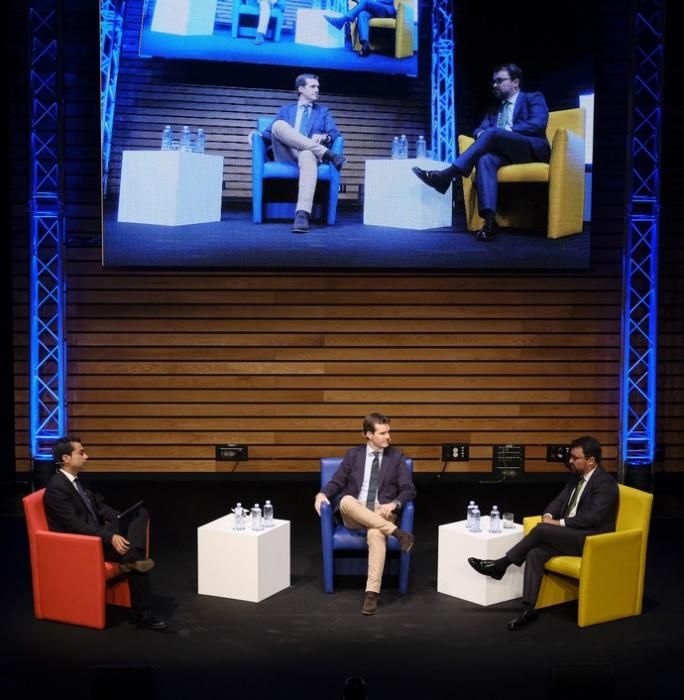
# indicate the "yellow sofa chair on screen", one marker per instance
pixel 402 27
pixel 539 195
pixel 608 579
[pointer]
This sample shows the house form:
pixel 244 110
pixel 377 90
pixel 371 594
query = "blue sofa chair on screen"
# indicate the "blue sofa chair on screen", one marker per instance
pixel 246 18
pixel 274 185
pixel 345 551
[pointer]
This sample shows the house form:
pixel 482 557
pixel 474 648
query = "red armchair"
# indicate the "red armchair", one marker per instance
pixel 71 580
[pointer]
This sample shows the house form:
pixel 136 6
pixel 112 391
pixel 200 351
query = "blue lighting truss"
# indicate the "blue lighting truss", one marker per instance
pixel 47 370
pixel 640 264
pixel 111 36
pixel 443 109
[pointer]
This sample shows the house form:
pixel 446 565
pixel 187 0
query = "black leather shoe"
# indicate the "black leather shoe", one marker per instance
pixel 301 221
pixel 486 567
pixel 439 180
pixel 488 231
pixel 337 22
pixel 364 50
pixel 142 566
pixel 526 616
pixel 148 621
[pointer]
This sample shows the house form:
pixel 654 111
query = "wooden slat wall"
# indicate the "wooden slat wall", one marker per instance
pixel 164 365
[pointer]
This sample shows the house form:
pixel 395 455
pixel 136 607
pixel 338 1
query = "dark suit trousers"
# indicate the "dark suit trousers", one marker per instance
pixel 537 547
pixel 494 149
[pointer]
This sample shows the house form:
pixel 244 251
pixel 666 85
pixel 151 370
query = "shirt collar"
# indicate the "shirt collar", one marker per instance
pixel 370 450
pixel 69 476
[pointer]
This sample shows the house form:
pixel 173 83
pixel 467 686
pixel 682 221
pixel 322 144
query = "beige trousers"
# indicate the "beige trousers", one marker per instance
pixel 289 146
pixel 356 515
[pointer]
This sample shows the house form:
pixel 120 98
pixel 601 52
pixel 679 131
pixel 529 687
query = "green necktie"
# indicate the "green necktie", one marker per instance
pixel 575 498
pixel 304 123
pixel 503 115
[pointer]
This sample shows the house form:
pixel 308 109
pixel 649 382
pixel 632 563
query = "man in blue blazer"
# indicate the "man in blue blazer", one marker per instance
pixel 586 506
pixel 514 131
pixel 302 133
pixel 369 489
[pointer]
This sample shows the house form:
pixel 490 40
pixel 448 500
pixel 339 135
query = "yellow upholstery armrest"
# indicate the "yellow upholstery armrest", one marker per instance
pixel 530 521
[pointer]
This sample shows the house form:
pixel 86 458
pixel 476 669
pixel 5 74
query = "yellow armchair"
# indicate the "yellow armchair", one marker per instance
pixel 402 25
pixel 608 579
pixel 549 195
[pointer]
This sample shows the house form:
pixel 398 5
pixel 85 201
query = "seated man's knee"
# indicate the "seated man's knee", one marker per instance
pixel 376 536
pixel 278 126
pixel 303 156
pixel 346 502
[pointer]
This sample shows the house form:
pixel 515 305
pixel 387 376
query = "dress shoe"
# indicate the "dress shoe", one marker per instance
pixel 488 231
pixel 365 49
pixel 145 619
pixel 526 616
pixel 370 603
pixel 259 39
pixel 486 567
pixel 337 22
pixel 439 180
pixel 406 539
pixel 337 160
pixel 301 221
pixel 142 566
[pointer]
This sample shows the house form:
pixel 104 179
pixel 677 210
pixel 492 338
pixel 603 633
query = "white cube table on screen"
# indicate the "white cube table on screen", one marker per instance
pixel 242 564
pixel 457 578
pixel 395 197
pixel 313 30
pixel 184 17
pixel 170 188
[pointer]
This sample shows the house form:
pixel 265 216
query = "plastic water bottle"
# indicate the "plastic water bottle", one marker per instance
pixel 200 141
pixel 495 520
pixel 475 520
pixel 403 146
pixel 167 139
pixel 268 514
pixel 239 522
pixel 257 520
pixel 395 147
pixel 186 139
pixel 469 515
pixel 421 149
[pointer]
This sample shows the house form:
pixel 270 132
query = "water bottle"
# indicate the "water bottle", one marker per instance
pixel 495 520
pixel 403 146
pixel 167 139
pixel 420 147
pixel 200 140
pixel 268 514
pixel 475 520
pixel 239 522
pixel 395 147
pixel 257 520
pixel 469 515
pixel 186 139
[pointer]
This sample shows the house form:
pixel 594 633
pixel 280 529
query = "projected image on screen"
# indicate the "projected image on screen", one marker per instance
pixel 319 169
pixel 369 35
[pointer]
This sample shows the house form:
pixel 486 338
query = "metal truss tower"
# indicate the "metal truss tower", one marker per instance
pixel 640 264
pixel 111 36
pixel 47 370
pixel 443 109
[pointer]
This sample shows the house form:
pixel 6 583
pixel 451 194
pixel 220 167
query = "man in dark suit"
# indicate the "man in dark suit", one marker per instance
pixel 303 133
pixel 370 488
pixel 513 131
pixel 586 506
pixel 71 507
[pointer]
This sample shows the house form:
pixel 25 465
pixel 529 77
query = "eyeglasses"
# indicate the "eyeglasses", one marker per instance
pixel 498 81
pixel 572 458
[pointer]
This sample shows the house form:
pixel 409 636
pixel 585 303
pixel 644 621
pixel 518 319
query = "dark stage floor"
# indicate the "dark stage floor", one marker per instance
pixel 302 643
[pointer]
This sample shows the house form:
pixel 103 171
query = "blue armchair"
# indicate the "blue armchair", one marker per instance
pixel 246 18
pixel 265 170
pixel 351 544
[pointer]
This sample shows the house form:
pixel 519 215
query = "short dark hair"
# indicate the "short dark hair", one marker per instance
pixel 373 419
pixel 513 70
pixel 590 446
pixel 63 446
pixel 300 80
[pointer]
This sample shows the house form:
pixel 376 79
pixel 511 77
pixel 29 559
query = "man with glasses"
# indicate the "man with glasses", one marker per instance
pixel 513 131
pixel 586 506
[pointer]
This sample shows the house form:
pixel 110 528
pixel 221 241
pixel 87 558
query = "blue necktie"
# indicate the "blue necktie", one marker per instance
pixel 304 123
pixel 86 499
pixel 373 482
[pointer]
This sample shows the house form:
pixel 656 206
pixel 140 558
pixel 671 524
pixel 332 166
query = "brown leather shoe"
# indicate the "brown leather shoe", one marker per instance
pixel 370 603
pixel 406 539
pixel 141 566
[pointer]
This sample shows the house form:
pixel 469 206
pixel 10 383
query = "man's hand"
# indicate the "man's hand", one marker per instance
pixel 321 138
pixel 320 498
pixel 548 518
pixel 121 544
pixel 385 510
pixel 251 134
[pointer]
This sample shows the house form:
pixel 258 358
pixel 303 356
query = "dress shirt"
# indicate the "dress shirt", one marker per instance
pixel 363 494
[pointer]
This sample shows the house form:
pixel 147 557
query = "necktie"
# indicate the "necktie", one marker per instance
pixel 373 482
pixel 86 499
pixel 304 123
pixel 574 498
pixel 503 115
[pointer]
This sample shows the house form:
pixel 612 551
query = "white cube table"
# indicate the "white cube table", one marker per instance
pixel 457 578
pixel 242 564
pixel 395 197
pixel 184 17
pixel 313 30
pixel 170 188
